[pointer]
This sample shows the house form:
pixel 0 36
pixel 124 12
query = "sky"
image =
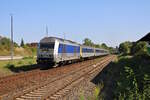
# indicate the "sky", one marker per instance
pixel 102 21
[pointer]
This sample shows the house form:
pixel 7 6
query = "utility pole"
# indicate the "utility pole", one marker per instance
pixel 46 31
pixel 12 44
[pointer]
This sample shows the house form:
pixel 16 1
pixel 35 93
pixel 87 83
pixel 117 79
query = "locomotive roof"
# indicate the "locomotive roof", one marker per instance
pixel 50 39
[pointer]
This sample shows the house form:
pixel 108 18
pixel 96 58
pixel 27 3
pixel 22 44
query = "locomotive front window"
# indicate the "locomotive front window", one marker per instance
pixel 48 45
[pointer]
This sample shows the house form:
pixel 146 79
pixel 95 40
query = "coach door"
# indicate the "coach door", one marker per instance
pixel 80 51
pixel 75 51
pixel 64 51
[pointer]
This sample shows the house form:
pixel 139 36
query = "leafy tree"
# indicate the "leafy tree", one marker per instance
pixel 103 45
pixel 87 42
pixel 15 44
pixel 97 45
pixel 111 49
pixel 22 43
pixel 125 47
pixel 140 48
pixel 5 43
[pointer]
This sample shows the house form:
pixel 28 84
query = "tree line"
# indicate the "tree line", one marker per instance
pixel 89 42
pixel 134 48
pixel 5 43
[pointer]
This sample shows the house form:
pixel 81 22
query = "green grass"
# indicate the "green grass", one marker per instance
pixel 9 67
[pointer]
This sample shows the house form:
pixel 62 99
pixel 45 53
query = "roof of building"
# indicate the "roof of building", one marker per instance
pixel 145 38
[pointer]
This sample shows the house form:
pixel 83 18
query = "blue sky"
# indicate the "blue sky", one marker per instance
pixel 108 21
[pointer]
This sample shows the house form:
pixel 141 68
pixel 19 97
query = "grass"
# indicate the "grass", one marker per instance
pixel 18 51
pixel 9 67
pixel 97 91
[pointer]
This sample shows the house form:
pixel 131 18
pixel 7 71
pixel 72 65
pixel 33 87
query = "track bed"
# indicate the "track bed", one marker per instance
pixel 50 84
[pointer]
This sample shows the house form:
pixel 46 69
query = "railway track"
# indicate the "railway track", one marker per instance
pixel 55 87
pixel 27 79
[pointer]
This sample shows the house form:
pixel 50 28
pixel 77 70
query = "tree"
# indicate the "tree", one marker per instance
pixel 5 43
pixel 125 48
pixel 140 48
pixel 103 45
pixel 97 46
pixel 88 42
pixel 111 49
pixel 22 43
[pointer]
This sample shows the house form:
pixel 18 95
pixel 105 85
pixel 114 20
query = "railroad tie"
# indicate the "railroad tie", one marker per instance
pixel 20 99
pixel 34 95
pixel 53 98
pixel 38 92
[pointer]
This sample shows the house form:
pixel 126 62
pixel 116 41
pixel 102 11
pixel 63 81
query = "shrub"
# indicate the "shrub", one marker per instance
pixel 132 82
pixel 20 62
pixel 10 66
pixel 140 49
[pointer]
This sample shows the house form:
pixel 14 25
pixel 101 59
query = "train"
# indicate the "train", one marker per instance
pixel 54 50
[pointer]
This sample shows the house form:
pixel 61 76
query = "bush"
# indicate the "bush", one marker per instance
pixel 133 79
pixel 140 49
pixel 20 62
pixel 10 66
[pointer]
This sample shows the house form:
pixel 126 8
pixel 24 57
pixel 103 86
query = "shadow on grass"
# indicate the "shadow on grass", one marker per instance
pixel 25 68
pixel 132 74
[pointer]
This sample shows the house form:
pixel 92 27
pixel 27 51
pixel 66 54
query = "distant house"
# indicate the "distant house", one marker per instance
pixel 34 44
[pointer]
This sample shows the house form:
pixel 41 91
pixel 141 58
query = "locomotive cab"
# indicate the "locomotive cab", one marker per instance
pixel 45 52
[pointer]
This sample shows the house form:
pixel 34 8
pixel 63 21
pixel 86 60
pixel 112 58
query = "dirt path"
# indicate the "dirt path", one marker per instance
pixel 9 57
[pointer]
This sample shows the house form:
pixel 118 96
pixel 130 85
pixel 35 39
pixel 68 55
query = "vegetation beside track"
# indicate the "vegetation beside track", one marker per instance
pixel 28 52
pixel 9 67
pixel 133 81
pixel 22 50
pixel 128 78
